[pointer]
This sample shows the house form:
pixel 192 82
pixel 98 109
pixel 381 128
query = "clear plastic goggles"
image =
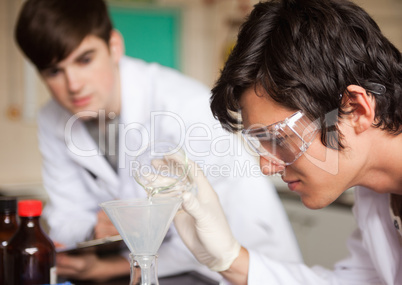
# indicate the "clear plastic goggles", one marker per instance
pixel 283 142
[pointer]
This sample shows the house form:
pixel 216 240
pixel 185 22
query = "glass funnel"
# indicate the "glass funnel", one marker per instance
pixel 159 175
pixel 143 224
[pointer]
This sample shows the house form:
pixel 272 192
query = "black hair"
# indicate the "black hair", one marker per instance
pixel 305 53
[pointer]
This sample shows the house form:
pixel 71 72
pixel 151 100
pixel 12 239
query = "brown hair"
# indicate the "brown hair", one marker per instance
pixel 47 31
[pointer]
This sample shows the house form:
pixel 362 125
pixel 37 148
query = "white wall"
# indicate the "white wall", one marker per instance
pixel 19 157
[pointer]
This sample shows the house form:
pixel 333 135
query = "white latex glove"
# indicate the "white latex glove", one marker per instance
pixel 203 225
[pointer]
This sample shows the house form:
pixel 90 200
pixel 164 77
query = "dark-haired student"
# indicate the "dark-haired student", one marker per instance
pixel 319 91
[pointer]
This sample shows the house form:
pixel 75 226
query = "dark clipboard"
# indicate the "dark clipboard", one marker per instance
pixel 98 245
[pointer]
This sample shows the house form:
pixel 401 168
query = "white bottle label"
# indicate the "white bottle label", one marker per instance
pixel 53 275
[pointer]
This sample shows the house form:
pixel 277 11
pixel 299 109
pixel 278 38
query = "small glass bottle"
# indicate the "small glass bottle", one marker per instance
pixel 8 227
pixel 30 254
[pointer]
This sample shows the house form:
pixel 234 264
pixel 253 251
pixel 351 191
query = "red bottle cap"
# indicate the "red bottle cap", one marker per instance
pixel 29 208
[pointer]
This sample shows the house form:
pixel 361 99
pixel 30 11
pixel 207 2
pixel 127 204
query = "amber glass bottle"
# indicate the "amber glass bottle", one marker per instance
pixel 8 226
pixel 30 254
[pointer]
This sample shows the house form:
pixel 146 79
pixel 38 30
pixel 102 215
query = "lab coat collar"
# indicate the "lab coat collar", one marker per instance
pixel 84 150
pixel 372 206
pixel 134 91
pixel 135 108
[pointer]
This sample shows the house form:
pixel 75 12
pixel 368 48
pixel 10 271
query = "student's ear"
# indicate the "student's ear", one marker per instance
pixel 362 107
pixel 116 45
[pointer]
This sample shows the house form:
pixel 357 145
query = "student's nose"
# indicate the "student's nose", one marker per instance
pixel 74 81
pixel 269 168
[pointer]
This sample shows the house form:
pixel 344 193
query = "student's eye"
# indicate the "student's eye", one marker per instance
pixel 281 140
pixel 85 60
pixel 51 72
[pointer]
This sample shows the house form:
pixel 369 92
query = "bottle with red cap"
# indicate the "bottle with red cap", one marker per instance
pixel 8 226
pixel 30 254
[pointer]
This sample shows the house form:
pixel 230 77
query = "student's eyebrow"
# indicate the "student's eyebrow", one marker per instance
pixel 49 68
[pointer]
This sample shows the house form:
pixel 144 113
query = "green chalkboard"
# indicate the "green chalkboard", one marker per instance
pixel 152 34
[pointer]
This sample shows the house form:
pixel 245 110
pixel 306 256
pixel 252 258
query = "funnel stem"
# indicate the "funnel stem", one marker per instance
pixel 148 265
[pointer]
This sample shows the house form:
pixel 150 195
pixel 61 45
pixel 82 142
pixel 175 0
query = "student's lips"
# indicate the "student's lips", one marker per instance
pixel 292 185
pixel 81 101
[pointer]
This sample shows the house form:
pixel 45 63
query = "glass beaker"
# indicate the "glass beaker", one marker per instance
pixel 162 169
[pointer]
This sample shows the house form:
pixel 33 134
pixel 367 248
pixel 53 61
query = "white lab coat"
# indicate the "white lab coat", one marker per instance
pixel 77 181
pixel 375 252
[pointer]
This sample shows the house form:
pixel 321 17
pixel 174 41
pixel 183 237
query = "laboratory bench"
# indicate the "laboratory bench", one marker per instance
pixel 193 278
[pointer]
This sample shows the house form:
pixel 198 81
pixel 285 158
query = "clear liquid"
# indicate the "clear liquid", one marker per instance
pixel 151 191
pixel 163 184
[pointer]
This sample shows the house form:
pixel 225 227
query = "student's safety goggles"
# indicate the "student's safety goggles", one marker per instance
pixel 283 142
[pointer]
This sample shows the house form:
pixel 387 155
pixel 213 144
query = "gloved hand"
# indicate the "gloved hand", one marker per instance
pixel 203 226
